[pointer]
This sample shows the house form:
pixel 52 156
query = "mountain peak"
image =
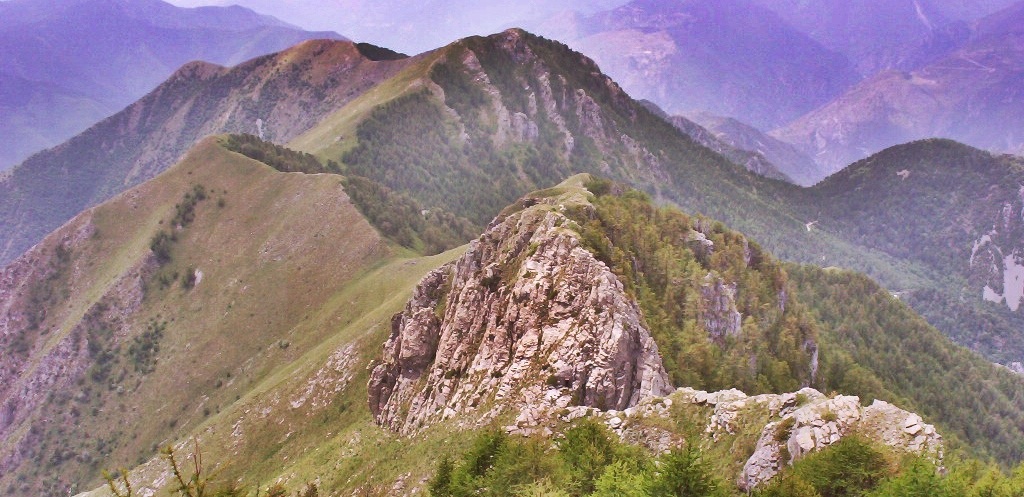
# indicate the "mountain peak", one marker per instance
pixel 198 69
pixel 556 328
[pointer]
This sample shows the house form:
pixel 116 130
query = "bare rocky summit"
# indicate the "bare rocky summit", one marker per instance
pixel 526 319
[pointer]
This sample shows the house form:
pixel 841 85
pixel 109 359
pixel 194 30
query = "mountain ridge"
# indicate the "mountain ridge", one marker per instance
pixel 475 123
pixel 729 408
pixel 147 137
pixel 127 49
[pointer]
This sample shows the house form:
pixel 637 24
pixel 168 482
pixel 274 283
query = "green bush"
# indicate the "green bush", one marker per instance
pixel 283 159
pixel 585 452
pixel 918 478
pixel 683 471
pixel 848 468
pixel 587 460
pixel 790 486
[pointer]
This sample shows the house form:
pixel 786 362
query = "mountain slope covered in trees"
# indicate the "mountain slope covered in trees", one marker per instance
pixel 464 130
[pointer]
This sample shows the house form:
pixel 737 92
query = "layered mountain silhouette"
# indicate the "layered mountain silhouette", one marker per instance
pixel 838 80
pixel 729 58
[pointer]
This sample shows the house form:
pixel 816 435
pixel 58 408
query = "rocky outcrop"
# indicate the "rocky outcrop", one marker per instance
pixel 527 320
pixel 798 423
pixel 720 316
pixel 822 421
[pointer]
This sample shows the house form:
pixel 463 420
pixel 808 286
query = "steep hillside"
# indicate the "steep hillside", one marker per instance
pixel 510 334
pixel 141 318
pixel 875 346
pixel 783 156
pixel 276 97
pixel 87 59
pixel 482 373
pixel 471 127
pixel 972 95
pixel 246 307
pixel 598 296
pixel 948 207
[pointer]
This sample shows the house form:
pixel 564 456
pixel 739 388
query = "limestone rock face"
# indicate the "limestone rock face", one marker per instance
pixel 823 421
pixel 799 423
pixel 721 318
pixel 526 321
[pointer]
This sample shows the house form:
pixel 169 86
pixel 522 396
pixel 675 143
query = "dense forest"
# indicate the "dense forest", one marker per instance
pixel 695 280
pixel 875 346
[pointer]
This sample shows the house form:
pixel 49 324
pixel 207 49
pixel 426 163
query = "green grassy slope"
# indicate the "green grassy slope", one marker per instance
pixel 264 361
pixel 277 96
pixel 274 251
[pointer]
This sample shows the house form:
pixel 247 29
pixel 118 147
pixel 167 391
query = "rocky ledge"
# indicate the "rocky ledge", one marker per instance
pixel 798 423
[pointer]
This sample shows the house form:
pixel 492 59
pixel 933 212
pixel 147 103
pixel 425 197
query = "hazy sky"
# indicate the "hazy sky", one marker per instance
pixel 410 27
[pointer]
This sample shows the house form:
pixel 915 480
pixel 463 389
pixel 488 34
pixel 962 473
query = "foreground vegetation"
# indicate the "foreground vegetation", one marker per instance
pixel 590 461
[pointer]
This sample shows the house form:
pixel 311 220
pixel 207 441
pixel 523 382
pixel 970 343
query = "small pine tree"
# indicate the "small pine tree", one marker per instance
pixel 585 451
pixel 683 471
pixel 621 479
pixel 440 484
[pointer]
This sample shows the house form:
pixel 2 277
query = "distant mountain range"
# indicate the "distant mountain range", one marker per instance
pixel 838 80
pixel 66 64
pixel 730 58
pixel 797 166
pixel 875 36
pixel 974 94
pixel 412 27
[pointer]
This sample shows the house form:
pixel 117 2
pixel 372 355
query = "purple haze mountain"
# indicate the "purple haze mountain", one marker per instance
pixel 412 27
pixel 66 64
pixel 974 95
pixel 731 58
